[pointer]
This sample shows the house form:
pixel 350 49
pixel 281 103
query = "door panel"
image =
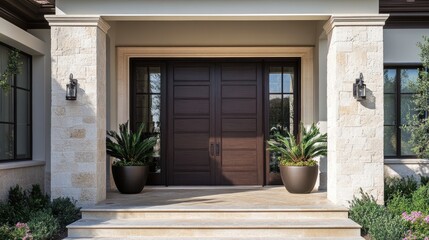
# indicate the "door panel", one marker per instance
pixel 239 124
pixel 190 124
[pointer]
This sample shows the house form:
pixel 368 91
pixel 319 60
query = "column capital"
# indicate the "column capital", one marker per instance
pixel 355 20
pixel 78 21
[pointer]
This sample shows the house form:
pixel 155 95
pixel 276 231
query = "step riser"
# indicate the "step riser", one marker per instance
pixel 213 215
pixel 165 232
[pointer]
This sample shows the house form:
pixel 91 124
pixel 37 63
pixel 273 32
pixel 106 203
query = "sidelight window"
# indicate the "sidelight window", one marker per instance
pixel 146 105
pixel 282 85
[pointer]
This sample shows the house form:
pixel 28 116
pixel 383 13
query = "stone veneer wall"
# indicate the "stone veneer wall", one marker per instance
pixel 25 177
pixel 407 167
pixel 78 153
pixel 355 129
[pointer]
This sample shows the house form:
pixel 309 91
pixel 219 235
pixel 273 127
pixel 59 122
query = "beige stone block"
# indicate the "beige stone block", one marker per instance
pixel 83 179
pixel 77 133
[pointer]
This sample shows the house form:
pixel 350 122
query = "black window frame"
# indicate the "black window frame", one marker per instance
pixel 14 88
pixel 398 124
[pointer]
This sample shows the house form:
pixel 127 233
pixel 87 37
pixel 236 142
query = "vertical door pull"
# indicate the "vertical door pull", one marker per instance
pixel 217 149
pixel 212 149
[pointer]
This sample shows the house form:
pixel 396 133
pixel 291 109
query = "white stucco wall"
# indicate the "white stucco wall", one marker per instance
pixel 400 45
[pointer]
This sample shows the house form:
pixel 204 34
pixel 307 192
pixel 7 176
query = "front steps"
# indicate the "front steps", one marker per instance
pixel 307 223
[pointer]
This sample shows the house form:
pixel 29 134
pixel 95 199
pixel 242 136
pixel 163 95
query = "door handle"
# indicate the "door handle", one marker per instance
pixel 212 149
pixel 217 149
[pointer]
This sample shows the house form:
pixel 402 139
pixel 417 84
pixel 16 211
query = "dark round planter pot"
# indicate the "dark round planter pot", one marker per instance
pixel 130 179
pixel 299 179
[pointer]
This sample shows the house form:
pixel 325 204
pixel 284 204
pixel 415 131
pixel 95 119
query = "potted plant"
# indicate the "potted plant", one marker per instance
pixel 133 152
pixel 298 167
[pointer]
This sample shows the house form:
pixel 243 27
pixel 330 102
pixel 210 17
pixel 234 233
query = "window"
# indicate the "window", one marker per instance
pixel 146 103
pixel 397 104
pixel 283 114
pixel 15 111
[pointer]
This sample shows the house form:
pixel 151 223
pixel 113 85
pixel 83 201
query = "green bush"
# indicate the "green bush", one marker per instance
pixel 399 204
pixel 386 227
pixel 46 219
pixel 424 180
pixel 65 210
pixel 420 199
pixel 365 211
pixel 43 225
pixel 399 186
pixel 375 219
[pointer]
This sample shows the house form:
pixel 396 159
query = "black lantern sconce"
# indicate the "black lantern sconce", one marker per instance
pixel 359 88
pixel 71 89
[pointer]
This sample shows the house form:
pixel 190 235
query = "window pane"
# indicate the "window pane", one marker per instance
pixel 389 80
pixel 22 106
pixel 275 79
pixel 155 112
pixel 6 106
pixel 389 141
pixel 407 107
pixel 275 114
pixel 405 146
pixel 141 80
pixel 408 76
pixel 23 78
pixel 23 141
pixel 155 79
pixel 288 111
pixel 288 76
pixel 389 109
pixel 6 142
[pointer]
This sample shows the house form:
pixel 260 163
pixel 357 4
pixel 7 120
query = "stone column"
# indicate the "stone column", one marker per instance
pixel 78 130
pixel 355 129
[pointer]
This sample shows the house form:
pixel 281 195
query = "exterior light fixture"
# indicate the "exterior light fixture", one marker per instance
pixel 71 89
pixel 359 88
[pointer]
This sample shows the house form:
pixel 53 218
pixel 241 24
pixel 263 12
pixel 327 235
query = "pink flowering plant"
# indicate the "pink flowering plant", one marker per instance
pixel 20 231
pixel 418 224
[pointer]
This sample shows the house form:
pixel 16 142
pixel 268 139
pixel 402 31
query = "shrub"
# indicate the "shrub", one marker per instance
pixel 424 180
pixel 387 226
pixel 399 204
pixel 375 219
pixel 399 186
pixel 420 199
pixel 365 211
pixel 65 210
pixel 44 225
pixel 17 232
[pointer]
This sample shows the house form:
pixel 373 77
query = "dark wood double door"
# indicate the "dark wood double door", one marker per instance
pixel 214 123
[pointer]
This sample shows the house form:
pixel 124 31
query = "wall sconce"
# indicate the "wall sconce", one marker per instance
pixel 71 89
pixel 359 88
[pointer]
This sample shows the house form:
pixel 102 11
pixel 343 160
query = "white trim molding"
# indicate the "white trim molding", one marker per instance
pixel 355 20
pixel 125 53
pixel 78 21
pixel 21 164
pixel 406 161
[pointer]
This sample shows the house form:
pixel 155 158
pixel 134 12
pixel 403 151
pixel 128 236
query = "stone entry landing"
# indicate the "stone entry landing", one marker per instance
pixel 215 213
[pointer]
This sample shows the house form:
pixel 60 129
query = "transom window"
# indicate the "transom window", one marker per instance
pixel 15 111
pixel 397 104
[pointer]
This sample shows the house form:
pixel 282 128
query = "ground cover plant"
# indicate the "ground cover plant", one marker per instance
pixel 31 215
pixel 405 214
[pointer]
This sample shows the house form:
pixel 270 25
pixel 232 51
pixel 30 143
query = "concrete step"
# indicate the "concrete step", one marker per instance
pixel 226 238
pixel 141 213
pixel 215 228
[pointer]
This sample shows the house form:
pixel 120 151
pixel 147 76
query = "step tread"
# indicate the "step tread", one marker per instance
pixel 192 209
pixel 214 224
pixel 219 238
